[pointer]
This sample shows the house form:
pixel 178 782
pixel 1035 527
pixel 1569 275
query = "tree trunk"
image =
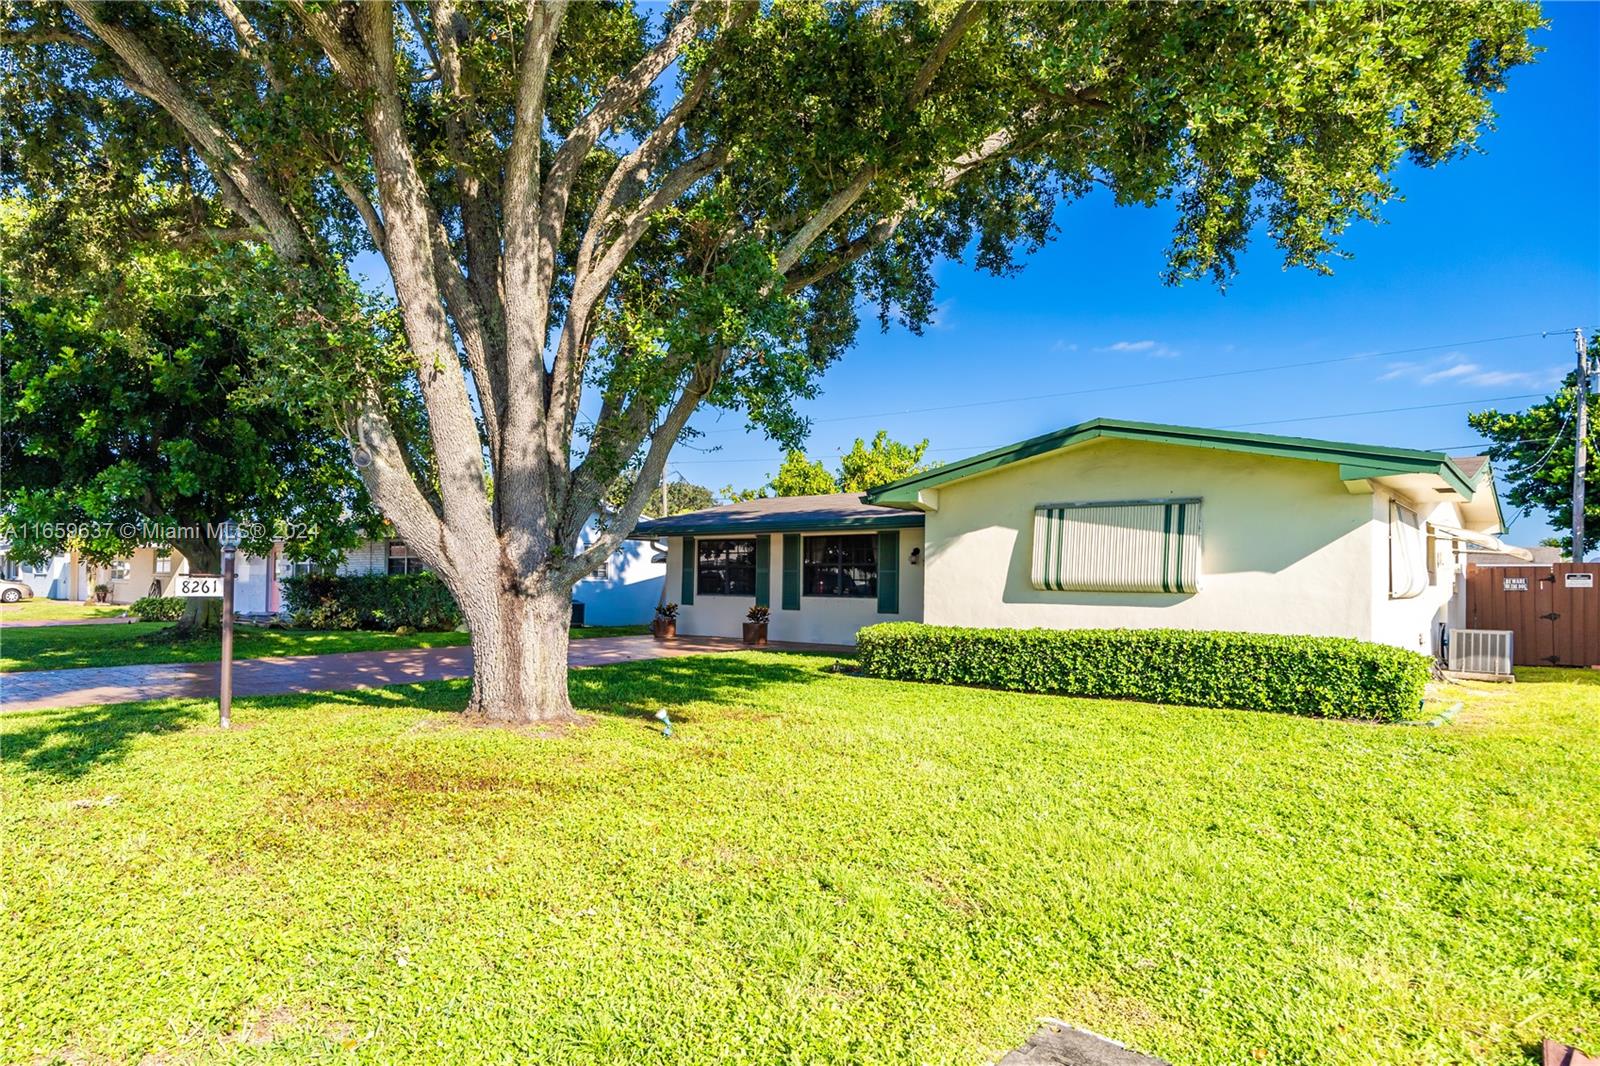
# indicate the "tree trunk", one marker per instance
pixel 519 655
pixel 200 615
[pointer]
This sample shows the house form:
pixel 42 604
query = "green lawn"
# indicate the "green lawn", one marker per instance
pixel 817 868
pixel 40 609
pixel 62 647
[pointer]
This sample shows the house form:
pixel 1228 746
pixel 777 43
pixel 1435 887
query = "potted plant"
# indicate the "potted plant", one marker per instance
pixel 755 625
pixel 102 593
pixel 665 627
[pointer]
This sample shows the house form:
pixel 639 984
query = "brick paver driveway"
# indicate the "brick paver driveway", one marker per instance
pixel 34 690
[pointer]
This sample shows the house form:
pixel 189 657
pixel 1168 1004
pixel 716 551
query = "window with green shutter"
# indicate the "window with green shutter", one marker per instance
pixel 687 560
pixel 763 571
pixel 1117 546
pixel 889 572
pixel 791 571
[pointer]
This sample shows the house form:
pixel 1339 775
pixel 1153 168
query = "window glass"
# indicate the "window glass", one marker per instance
pixel 725 567
pixel 401 561
pixel 164 560
pixel 841 566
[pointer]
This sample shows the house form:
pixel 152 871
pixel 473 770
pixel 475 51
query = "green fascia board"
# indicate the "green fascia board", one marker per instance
pixel 1363 460
pixel 665 527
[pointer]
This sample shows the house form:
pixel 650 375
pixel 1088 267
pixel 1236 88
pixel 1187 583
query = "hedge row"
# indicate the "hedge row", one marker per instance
pixel 1332 677
pixel 370 601
pixel 158 608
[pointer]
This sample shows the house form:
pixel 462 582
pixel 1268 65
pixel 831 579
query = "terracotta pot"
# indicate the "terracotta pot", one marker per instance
pixel 755 633
pixel 664 629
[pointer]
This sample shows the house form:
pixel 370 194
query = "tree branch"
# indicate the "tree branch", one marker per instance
pixel 661 441
pixel 151 79
pixel 412 252
pixel 998 145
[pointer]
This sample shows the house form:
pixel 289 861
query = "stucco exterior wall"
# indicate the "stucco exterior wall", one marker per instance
pixel 1412 622
pixel 820 619
pixel 1286 548
pixel 628 593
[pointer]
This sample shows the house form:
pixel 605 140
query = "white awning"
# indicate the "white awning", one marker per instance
pixel 1482 541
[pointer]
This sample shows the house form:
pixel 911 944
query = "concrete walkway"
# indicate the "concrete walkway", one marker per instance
pixel 33 690
pixel 37 623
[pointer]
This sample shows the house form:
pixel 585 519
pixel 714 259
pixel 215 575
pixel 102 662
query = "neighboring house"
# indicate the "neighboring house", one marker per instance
pixel 1103 525
pixel 623 592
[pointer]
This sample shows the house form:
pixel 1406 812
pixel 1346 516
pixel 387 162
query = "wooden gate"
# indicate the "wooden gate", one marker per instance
pixel 1553 611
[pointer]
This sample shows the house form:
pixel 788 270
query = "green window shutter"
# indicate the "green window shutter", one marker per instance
pixel 791 571
pixel 889 572
pixel 763 571
pixel 688 571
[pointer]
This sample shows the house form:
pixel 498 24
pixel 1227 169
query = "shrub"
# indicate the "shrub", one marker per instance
pixel 158 608
pixel 667 612
pixel 1331 677
pixel 371 601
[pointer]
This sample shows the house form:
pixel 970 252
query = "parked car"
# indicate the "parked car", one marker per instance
pixel 12 591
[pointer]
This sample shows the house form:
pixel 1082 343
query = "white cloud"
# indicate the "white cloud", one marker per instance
pixel 1453 369
pixel 1152 348
pixel 1449 373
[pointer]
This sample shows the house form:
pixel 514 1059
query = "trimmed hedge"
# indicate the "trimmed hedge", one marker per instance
pixel 1330 677
pixel 158 608
pixel 371 601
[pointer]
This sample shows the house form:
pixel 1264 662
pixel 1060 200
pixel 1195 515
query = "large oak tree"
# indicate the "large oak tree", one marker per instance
pixel 599 217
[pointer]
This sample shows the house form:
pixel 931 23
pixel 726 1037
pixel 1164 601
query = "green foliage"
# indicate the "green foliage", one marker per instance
pixel 133 411
pixel 867 466
pixel 817 868
pixel 1289 119
pixel 370 601
pixel 1534 451
pixel 863 467
pixel 799 476
pixel 1317 676
pixel 681 496
pixel 158 608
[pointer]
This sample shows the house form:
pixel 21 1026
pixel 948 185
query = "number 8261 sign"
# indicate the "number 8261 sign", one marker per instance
pixel 199 586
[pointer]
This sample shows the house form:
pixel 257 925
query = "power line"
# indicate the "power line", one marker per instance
pixel 1385 411
pixel 977 449
pixel 1153 382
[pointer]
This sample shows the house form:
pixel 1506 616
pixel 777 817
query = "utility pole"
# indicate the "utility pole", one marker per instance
pixel 1580 458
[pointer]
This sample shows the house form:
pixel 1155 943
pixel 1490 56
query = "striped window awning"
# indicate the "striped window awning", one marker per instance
pixel 1117 546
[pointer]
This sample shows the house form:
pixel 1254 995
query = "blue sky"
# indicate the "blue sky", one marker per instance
pixel 1501 243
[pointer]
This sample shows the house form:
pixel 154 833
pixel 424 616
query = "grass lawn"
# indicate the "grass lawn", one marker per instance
pixel 40 609
pixel 62 647
pixel 817 868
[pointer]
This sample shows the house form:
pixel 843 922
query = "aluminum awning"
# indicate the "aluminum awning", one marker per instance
pixel 1483 541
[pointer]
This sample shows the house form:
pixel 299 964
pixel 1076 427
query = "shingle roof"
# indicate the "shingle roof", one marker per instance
pixel 782 514
pixel 1469 464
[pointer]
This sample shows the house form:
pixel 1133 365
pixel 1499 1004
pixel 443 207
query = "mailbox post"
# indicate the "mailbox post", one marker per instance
pixel 229 535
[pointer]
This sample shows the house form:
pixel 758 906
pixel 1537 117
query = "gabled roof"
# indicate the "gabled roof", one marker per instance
pixel 782 514
pixel 1355 461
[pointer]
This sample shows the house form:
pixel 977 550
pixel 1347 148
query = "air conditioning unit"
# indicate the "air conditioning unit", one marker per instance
pixel 1480 651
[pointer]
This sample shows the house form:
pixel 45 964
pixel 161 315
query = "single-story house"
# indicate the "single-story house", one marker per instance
pixel 1102 525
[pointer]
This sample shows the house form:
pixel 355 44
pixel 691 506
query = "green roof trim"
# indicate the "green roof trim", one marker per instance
pixel 1355 461
pixel 667 527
